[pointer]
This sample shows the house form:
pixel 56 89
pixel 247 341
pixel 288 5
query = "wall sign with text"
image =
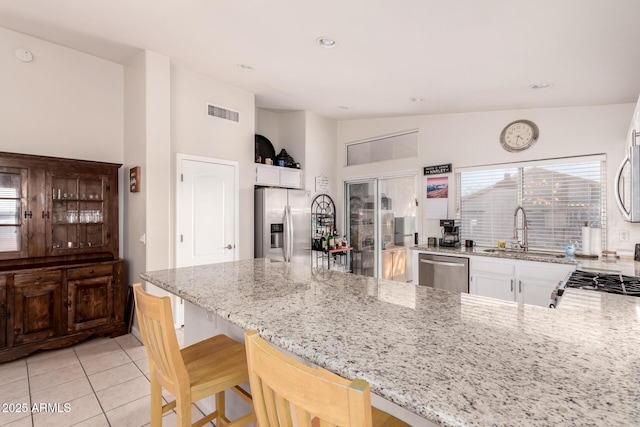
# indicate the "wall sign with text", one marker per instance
pixel 437 169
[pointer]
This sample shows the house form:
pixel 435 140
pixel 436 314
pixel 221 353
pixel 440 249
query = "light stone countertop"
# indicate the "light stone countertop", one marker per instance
pixel 625 266
pixel 454 359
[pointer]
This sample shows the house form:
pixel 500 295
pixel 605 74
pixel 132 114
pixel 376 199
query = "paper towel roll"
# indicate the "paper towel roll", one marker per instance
pixel 586 241
pixel 596 241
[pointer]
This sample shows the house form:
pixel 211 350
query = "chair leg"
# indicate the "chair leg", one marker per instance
pixel 220 408
pixel 156 403
pixel 183 410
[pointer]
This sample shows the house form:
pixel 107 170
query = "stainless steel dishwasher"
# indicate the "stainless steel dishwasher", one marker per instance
pixel 444 272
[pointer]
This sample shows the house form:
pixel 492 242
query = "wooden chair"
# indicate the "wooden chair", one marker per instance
pixel 204 369
pixel 284 390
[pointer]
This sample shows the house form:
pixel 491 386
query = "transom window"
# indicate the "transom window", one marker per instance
pixel 559 196
pixel 391 147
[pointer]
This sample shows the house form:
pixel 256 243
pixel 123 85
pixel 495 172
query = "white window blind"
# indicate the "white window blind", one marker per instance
pixel 558 196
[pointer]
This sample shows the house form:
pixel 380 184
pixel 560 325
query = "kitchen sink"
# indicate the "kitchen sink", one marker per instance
pixel 532 253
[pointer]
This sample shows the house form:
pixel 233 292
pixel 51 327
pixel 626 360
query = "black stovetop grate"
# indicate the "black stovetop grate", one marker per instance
pixel 611 283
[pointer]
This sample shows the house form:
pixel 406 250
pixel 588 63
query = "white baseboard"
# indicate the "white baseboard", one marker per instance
pixel 136 332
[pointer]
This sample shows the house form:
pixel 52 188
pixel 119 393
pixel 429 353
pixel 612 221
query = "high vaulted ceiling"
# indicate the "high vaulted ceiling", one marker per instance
pixel 458 55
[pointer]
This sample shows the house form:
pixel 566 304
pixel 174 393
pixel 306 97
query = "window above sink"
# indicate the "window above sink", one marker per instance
pixel 558 195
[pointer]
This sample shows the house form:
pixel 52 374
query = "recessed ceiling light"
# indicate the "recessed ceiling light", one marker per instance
pixel 416 99
pixel 245 67
pixel 537 86
pixel 342 107
pixel 326 42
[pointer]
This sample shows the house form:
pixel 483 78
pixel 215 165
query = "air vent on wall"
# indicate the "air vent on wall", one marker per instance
pixel 223 113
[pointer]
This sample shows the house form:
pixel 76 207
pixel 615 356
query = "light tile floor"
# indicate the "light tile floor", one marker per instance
pixel 101 382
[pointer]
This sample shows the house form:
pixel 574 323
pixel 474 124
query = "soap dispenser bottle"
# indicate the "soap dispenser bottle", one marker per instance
pixel 570 250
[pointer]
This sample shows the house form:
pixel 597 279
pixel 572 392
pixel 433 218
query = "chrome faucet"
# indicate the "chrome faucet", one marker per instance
pixel 525 239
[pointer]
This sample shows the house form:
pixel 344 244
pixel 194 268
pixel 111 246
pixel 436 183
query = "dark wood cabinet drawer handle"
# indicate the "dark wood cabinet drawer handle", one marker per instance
pixel 17 330
pixel 38 278
pixel 90 271
pixel 45 214
pixel 28 214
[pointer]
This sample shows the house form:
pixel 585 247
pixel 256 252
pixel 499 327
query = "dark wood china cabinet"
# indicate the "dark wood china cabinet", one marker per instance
pixel 60 277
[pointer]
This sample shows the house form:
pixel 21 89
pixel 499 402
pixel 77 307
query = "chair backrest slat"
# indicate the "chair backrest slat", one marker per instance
pixel 270 405
pixel 284 410
pixel 318 398
pixel 324 423
pixel 303 418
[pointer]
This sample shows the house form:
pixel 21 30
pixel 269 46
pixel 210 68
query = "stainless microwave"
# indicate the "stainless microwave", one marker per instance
pixel 627 185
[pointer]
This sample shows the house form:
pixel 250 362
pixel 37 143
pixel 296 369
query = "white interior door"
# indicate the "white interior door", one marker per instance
pixel 207 214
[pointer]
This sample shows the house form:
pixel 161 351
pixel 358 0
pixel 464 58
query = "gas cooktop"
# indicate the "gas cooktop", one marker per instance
pixel 602 282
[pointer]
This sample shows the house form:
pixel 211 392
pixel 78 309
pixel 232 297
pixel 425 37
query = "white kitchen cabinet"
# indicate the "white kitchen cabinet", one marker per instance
pixel 290 178
pixel 536 281
pixel 276 176
pixel 494 278
pixel 525 282
pixel 493 286
pixel 535 292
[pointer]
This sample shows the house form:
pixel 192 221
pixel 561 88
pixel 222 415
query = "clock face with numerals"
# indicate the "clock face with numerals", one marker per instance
pixel 519 135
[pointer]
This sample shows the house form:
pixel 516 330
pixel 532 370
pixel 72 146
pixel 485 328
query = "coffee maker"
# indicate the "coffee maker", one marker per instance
pixel 450 233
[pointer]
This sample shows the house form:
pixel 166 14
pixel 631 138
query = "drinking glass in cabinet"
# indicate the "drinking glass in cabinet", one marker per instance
pixel 72 216
pixel 90 216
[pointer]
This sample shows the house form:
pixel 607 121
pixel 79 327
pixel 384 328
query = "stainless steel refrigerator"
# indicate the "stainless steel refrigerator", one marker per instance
pixel 283 225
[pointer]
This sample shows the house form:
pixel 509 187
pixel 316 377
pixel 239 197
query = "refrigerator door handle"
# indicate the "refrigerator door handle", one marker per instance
pixel 291 237
pixel 287 235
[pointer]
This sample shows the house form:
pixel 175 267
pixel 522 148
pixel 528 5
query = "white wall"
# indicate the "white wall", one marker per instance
pixel 135 204
pixel 267 125
pixel 156 182
pixel 147 144
pixel 64 103
pixel 471 139
pixel 320 152
pixel 194 132
pixel 292 135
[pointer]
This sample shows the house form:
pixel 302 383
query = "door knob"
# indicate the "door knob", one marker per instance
pixel 229 246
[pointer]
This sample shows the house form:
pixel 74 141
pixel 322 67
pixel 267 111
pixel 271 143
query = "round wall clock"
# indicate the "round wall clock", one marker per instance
pixel 519 135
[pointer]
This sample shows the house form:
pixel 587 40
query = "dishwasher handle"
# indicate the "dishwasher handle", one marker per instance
pixel 448 264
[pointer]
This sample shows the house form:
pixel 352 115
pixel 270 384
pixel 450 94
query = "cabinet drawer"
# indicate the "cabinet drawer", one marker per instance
pixel 545 271
pixel 508 269
pixel 37 277
pixel 90 271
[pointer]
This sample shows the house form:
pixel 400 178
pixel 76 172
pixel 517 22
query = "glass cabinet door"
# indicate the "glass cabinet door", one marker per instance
pixel 77 214
pixel 13 233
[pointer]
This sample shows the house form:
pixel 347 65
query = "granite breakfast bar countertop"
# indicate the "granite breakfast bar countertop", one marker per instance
pixel 453 359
